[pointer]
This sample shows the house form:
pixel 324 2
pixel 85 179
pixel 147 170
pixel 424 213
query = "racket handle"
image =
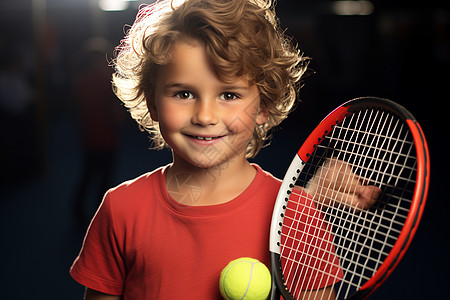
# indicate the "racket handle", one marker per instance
pixel 274 294
pixel 274 265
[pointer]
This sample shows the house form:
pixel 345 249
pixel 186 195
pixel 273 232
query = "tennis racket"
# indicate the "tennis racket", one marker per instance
pixel 350 202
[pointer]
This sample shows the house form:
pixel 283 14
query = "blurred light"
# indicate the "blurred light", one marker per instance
pixel 347 8
pixel 113 5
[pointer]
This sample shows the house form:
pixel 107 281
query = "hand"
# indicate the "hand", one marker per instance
pixel 335 184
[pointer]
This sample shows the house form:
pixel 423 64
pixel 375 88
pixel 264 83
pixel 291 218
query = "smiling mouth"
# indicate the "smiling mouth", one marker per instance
pixel 204 138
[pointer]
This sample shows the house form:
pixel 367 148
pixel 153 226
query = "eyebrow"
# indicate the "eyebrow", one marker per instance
pixel 176 85
pixel 235 87
pixel 188 86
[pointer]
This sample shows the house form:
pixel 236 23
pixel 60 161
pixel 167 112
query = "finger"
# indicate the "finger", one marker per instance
pixel 334 198
pixel 339 176
pixel 368 195
pixel 363 197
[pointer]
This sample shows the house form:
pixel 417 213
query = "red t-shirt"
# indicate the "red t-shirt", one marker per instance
pixel 143 245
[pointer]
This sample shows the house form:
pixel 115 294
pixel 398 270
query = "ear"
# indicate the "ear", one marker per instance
pixel 262 116
pixel 152 107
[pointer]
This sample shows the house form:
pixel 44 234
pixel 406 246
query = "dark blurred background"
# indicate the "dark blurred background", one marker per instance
pixel 65 138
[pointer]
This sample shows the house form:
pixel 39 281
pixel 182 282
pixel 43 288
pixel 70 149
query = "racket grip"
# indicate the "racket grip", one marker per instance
pixel 274 294
pixel 274 266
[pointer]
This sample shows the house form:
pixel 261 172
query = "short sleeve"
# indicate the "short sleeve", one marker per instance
pixel 100 265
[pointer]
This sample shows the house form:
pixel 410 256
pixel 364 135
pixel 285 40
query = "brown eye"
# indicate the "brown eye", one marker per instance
pixel 228 96
pixel 184 95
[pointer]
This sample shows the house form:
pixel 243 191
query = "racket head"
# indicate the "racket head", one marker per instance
pixel 399 167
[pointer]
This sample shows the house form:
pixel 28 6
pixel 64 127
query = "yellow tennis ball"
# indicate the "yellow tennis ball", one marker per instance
pixel 245 278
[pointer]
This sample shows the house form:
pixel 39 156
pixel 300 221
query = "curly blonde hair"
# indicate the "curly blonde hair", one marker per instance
pixel 241 37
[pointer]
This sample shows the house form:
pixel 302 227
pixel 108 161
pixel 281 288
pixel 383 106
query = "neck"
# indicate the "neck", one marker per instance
pixel 192 185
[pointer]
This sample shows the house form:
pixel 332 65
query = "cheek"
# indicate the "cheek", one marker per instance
pixel 242 125
pixel 244 119
pixel 171 118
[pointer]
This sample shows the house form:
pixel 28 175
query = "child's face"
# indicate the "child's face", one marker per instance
pixel 206 121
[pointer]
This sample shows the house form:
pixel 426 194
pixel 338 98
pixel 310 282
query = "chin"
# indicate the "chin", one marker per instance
pixel 210 163
pixel 206 165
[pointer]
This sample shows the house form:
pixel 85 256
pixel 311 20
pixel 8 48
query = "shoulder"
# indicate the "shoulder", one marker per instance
pixel 266 176
pixel 136 190
pixel 265 181
pixel 132 200
pixel 139 183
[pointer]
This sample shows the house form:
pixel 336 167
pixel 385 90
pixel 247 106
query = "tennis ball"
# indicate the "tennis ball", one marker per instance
pixel 245 278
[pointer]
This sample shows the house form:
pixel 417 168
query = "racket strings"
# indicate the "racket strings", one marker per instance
pixel 295 274
pixel 380 238
pixel 338 244
pixel 319 247
pixel 345 185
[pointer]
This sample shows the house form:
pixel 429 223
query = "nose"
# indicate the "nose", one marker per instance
pixel 205 113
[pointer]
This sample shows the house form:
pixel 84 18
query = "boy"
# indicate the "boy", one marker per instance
pixel 209 79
